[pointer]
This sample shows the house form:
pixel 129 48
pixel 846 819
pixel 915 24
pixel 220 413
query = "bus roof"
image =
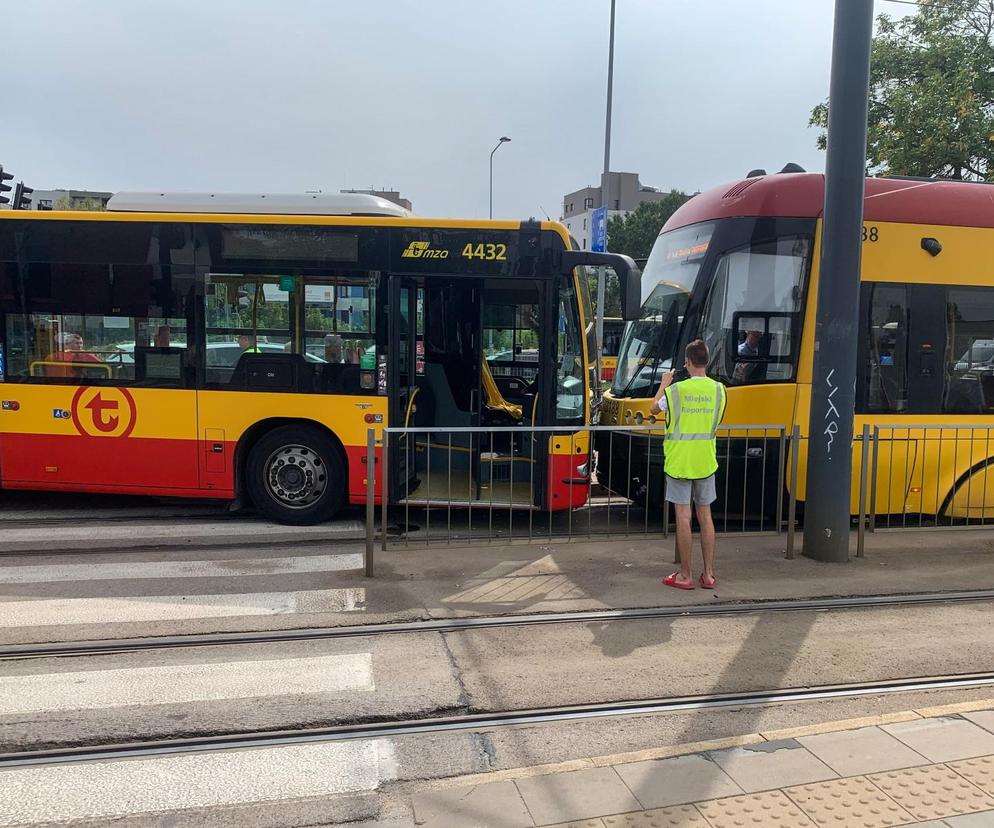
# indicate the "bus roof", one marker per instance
pixel 802 195
pixel 311 204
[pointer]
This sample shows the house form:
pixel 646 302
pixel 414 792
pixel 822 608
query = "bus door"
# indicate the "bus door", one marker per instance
pixel 403 362
pixel 447 382
pixel 511 465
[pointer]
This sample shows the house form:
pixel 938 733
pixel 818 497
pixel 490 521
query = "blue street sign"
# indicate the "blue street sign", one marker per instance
pixel 598 230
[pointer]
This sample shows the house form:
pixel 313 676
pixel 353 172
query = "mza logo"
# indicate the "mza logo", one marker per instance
pixel 423 250
pixel 104 412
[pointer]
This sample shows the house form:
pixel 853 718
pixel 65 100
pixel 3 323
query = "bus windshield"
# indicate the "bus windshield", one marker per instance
pixel 648 345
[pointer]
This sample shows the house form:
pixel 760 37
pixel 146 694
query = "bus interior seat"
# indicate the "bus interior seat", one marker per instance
pixel 276 372
pixel 493 400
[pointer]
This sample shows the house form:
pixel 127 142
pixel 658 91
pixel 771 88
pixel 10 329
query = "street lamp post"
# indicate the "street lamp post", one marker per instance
pixel 503 140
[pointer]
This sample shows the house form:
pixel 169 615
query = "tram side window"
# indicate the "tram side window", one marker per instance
pixel 753 311
pixel 885 363
pixel 969 358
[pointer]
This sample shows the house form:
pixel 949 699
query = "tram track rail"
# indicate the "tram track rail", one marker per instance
pixel 74 649
pixel 491 720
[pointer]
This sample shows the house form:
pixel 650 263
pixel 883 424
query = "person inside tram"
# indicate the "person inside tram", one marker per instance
pixel 749 348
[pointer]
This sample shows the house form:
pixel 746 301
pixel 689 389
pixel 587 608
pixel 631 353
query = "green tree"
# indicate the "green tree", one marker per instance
pixel 931 109
pixel 633 235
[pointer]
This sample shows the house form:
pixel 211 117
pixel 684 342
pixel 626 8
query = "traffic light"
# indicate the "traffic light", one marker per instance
pixel 22 197
pixel 4 186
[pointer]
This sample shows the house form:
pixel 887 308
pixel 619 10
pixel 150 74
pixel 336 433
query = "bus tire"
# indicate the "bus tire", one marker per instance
pixel 295 475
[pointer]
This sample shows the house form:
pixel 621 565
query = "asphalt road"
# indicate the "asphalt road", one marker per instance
pixel 48 596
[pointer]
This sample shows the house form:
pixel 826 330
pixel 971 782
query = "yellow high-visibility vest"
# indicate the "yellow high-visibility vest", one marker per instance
pixel 694 409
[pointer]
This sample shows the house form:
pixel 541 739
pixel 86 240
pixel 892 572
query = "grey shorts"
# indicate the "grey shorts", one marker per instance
pixel 679 491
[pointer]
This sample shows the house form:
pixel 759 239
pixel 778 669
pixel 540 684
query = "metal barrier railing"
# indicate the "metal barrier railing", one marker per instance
pixel 473 485
pixel 461 485
pixel 925 476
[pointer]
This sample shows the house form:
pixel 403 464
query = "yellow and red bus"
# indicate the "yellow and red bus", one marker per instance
pixel 240 347
pixel 738 267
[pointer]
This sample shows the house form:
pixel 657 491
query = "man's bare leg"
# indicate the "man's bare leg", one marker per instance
pixel 684 540
pixel 707 538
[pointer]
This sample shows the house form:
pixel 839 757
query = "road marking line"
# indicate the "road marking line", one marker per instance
pixel 138 570
pixel 184 683
pixel 70 793
pixel 45 612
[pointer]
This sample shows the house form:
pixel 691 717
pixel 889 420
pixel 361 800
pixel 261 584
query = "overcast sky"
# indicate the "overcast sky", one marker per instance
pixel 292 95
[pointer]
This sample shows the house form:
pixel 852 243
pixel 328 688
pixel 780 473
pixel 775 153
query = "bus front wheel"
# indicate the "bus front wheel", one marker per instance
pixel 295 475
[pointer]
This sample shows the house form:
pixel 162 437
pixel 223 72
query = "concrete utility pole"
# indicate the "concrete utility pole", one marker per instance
pixel 833 392
pixel 599 327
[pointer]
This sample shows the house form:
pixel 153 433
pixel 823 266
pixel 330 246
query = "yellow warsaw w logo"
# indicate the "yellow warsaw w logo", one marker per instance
pixel 423 250
pixel 415 250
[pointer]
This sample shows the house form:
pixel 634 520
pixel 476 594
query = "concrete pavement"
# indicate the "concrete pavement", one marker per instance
pixel 928 767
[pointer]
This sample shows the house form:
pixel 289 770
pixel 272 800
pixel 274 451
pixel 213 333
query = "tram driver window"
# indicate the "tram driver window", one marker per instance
pixel 765 280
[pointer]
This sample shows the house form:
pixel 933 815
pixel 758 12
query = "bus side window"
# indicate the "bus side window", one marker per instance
pixel 968 371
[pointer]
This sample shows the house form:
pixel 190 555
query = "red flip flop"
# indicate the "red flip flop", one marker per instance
pixel 707 584
pixel 671 581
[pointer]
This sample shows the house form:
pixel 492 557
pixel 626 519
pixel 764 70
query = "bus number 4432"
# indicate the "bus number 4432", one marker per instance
pixel 486 252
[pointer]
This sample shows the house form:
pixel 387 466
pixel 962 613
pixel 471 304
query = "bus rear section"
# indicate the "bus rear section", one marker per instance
pixel 247 355
pixel 737 267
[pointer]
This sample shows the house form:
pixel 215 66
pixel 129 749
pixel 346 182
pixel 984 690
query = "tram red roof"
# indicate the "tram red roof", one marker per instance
pixel 801 195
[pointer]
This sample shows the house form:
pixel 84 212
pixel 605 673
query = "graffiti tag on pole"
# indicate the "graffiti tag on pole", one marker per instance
pixel 833 425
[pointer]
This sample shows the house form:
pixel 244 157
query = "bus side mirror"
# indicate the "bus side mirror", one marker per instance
pixel 629 276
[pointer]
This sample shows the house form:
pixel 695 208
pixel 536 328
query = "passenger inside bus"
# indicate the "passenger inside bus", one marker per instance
pixel 69 355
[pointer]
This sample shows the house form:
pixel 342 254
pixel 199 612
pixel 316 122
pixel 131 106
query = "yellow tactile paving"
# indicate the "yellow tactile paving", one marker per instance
pixel 932 792
pixel 770 809
pixel 978 771
pixel 679 816
pixel 855 801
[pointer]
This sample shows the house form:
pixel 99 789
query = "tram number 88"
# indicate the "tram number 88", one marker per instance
pixel 870 234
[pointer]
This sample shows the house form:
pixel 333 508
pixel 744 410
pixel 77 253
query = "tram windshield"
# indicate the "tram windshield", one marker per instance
pixel 649 343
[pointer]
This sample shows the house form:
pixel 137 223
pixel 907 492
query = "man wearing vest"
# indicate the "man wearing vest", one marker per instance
pixel 694 408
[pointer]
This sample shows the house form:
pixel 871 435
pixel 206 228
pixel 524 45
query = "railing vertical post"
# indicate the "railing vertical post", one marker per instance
pixel 795 449
pixel 781 469
pixel 384 487
pixel 370 509
pixel 861 529
pixel 873 478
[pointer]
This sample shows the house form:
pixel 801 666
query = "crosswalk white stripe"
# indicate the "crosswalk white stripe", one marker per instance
pixel 184 683
pixel 44 612
pixel 66 794
pixel 135 570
